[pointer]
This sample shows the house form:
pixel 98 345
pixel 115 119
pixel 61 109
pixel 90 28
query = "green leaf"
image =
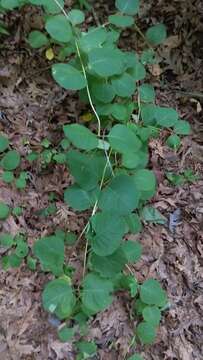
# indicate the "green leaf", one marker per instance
pixel 132 160
pixel 151 214
pixel 11 160
pixel 9 4
pixel 124 85
pixel 81 137
pixel 122 139
pixel 145 180
pixel 156 34
pixel 119 112
pixel 148 57
pixel 138 71
pixel 21 249
pixel 7 177
pixel 147 93
pixel 65 144
pixel 93 39
pixel 31 263
pixel 182 127
pixel 139 307
pixel 108 266
pixel 59 28
pixel 134 224
pixel 166 117
pixel 37 39
pixel 109 230
pixel 51 7
pixel 135 357
pixel 14 261
pixel 58 298
pixel 65 334
pixel 129 7
pixel 148 113
pixel 88 349
pixel 76 16
pixel 79 199
pixel 146 333
pixel 121 20
pixel 4 143
pixel 50 252
pixel 119 196
pixel 152 315
pixel 106 62
pixel 103 92
pixel 86 169
pixel 6 240
pixel 96 293
pixel 132 251
pixel 173 141
pixel 151 293
pixel 4 211
pixel 17 211
pixel 68 77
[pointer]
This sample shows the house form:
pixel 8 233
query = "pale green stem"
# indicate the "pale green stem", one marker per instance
pixel 84 72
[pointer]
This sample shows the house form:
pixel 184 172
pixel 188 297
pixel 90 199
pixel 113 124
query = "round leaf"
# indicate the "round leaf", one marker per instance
pixel 108 266
pixel 120 196
pixel 68 77
pixel 147 93
pixel 4 211
pixel 6 240
pixel 58 298
pixel 79 199
pixel 106 62
pixel 151 293
pixel 166 117
pixel 145 180
pixel 11 160
pixel 152 315
pixel 182 127
pixel 132 250
pixel 59 28
pixel 121 20
pixel 124 85
pixel 146 333
pixel 7 177
pixel 37 39
pixel 156 34
pixel 103 92
pixel 173 141
pixel 50 251
pixel 65 333
pixel 81 137
pixel 4 143
pixel 76 16
pixel 96 294
pixel 129 7
pixel 123 140
pixel 109 230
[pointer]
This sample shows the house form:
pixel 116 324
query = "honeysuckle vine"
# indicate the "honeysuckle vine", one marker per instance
pixel 111 180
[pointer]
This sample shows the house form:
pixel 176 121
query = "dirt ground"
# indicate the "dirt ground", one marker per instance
pixel 33 107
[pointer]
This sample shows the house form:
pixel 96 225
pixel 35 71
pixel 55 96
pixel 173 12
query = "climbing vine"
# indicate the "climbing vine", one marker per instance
pixel 109 166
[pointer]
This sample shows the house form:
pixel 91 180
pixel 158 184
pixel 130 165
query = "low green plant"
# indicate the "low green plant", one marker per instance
pixel 187 176
pixel 108 165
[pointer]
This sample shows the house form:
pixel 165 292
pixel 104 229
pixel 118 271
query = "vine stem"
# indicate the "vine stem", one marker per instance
pixel 84 73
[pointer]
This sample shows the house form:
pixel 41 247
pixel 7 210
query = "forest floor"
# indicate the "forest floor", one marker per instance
pixel 32 108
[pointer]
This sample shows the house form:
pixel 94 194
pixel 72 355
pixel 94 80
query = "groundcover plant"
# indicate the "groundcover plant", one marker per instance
pixel 109 167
